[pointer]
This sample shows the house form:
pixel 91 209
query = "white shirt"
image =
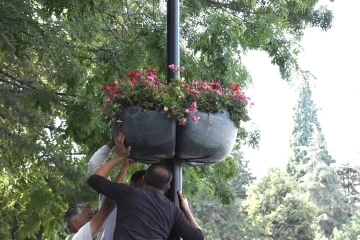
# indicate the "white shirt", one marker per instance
pixel 84 233
pixel 96 162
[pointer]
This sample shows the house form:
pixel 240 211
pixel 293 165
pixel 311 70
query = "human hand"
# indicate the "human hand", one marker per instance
pixel 183 201
pixel 120 148
pixel 127 163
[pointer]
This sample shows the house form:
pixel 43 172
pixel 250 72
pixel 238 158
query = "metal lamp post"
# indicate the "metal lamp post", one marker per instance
pixel 173 57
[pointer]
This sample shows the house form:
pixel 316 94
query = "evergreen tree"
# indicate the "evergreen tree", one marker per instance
pixel 350 180
pixel 350 230
pixel 306 123
pixel 324 189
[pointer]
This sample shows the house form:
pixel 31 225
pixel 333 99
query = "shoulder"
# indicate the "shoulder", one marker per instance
pixel 84 233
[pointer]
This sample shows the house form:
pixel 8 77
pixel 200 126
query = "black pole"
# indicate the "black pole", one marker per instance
pixel 173 57
pixel 173 48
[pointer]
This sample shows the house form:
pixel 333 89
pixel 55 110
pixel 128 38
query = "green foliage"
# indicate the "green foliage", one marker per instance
pixel 323 185
pixel 306 127
pixel 220 221
pixel 350 230
pixel 277 205
pixel 199 181
pixel 145 89
pixel 350 180
pixel 56 55
pixel 311 166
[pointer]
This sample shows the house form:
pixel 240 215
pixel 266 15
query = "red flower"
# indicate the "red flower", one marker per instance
pixel 106 88
pixel 133 81
pixel 215 85
pixel 234 87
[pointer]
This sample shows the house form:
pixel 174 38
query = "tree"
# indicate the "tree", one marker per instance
pixel 277 204
pixel 323 185
pixel 350 181
pixel 224 220
pixel 350 230
pixel 56 55
pixel 305 126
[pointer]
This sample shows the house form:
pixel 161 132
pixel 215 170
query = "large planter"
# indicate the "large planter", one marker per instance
pixel 151 134
pixel 209 141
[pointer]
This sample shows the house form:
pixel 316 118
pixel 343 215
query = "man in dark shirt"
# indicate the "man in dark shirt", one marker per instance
pixel 145 213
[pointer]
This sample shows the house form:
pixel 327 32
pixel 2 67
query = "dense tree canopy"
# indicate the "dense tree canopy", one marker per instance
pixel 279 206
pixel 56 55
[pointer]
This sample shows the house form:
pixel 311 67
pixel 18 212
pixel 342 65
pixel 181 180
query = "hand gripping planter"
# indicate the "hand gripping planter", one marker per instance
pixel 151 135
pixel 207 142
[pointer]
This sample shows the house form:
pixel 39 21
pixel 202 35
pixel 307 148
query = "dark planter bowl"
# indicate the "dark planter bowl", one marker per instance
pixel 209 141
pixel 151 135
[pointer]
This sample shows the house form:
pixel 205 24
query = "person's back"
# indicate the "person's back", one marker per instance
pixel 145 213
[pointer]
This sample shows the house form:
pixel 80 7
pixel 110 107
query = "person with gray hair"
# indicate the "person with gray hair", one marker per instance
pixel 80 220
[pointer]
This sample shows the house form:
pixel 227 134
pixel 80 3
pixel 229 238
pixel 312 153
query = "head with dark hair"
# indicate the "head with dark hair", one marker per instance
pixel 159 176
pixel 136 178
pixel 77 216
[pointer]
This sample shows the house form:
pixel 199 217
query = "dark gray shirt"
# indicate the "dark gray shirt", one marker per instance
pixel 143 213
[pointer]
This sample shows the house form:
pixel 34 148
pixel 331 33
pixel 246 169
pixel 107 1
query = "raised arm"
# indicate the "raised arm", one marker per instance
pixel 100 156
pixel 126 164
pixel 185 223
pixel 100 217
pixel 122 154
pixel 99 182
pixel 186 209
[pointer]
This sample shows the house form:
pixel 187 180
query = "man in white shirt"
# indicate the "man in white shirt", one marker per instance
pixel 96 162
pixel 81 222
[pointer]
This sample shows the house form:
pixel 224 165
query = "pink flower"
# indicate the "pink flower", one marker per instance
pixel 183 121
pixel 186 110
pixel 194 93
pixel 193 108
pixel 108 99
pixel 218 92
pixel 196 119
pixel 171 66
pixel 182 69
pixel 241 97
pixel 151 78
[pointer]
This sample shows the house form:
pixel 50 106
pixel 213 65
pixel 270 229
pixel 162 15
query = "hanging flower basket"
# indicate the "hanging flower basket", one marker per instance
pixel 208 141
pixel 150 134
pixel 148 112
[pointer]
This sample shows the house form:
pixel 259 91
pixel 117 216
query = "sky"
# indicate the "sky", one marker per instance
pixel 333 58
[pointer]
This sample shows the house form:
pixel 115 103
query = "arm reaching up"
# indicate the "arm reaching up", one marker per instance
pixel 186 209
pixel 100 156
pixel 122 153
